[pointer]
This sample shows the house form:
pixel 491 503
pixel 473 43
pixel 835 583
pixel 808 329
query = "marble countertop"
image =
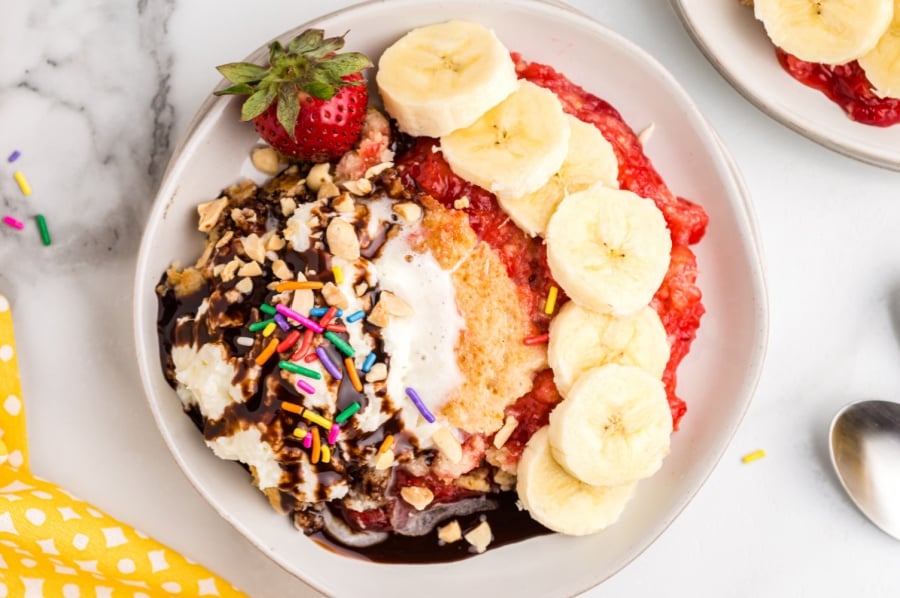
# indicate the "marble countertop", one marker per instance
pixel 95 95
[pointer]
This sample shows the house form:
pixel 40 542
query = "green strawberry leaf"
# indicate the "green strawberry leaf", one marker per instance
pixel 275 50
pixel 242 72
pixel 319 89
pixel 236 90
pixel 306 41
pixel 346 64
pixel 328 46
pixel 288 108
pixel 257 103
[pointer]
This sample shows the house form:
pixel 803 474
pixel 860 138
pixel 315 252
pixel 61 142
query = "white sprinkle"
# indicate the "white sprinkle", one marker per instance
pixel 244 341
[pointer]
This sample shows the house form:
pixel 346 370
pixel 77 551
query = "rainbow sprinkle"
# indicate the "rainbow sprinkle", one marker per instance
pixel 14 156
pixel 304 345
pixel 325 320
pixel 750 457
pixel 368 363
pixel 318 312
pixel 289 341
pixel 333 433
pixel 316 446
pixel 267 309
pixel 269 329
pixel 317 419
pixel 261 325
pixel 13 223
pixel 282 323
pixel 353 374
pixel 342 345
pixel 307 441
pixel 292 407
pixel 299 369
pixel 326 454
pixel 386 444
pixel 267 352
pixel 417 400
pixel 551 301
pixel 42 227
pixel 299 433
pixel 338 274
pixel 538 339
pixel 290 313
pixel 356 316
pixel 305 386
pixel 298 285
pixel 332 369
pixel 23 183
pixel 347 413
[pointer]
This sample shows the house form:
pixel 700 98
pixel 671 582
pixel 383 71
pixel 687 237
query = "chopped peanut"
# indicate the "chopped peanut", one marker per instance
pixel 254 247
pixel 244 285
pixel 450 533
pixel 328 190
pixel 505 432
pixel 480 537
pixel 209 213
pixel 342 239
pixel 409 211
pixel 343 203
pixel 377 373
pixel 281 270
pixel 265 159
pixel 417 496
pixel 318 175
pixel 358 187
pixel 334 296
pixel 250 269
pixel 448 444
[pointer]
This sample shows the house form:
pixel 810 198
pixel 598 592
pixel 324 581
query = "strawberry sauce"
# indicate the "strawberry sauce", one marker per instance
pixel 847 86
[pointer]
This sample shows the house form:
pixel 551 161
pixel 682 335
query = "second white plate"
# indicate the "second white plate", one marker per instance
pixel 736 44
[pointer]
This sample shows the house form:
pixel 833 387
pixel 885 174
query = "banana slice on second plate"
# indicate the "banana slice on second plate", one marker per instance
pixel 828 31
pixel 590 159
pixel 608 249
pixel 443 77
pixel 581 339
pixel 882 65
pixel 613 427
pixel 515 147
pixel 560 502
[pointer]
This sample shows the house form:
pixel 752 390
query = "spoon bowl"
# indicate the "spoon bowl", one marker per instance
pixel 865 450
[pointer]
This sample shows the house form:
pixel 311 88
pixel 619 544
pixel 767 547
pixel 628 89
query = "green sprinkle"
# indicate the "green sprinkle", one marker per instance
pixel 340 343
pixel 267 309
pixel 257 326
pixel 42 226
pixel 299 369
pixel 346 413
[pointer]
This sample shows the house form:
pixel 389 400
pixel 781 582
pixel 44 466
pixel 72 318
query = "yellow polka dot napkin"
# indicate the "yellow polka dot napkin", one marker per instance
pixel 55 545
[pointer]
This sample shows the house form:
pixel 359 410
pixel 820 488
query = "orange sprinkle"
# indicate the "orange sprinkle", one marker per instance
pixel 293 408
pixel 386 444
pixel 551 301
pixel 298 285
pixel 316 446
pixel 538 339
pixel 268 352
pixel 354 375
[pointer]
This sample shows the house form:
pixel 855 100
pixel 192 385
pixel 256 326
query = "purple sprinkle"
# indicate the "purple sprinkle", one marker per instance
pixel 13 156
pixel 329 365
pixel 412 394
pixel 282 323
pixel 290 313
pixel 305 387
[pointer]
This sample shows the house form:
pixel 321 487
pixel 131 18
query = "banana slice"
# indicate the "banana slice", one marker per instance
pixel 827 31
pixel 882 65
pixel 613 427
pixel 590 159
pixel 515 147
pixel 442 77
pixel 581 339
pixel 558 501
pixel 608 249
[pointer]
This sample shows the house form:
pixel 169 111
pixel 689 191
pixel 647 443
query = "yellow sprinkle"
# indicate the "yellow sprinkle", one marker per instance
pixel 23 183
pixel 326 454
pixel 299 433
pixel 551 301
pixel 338 274
pixel 269 329
pixel 386 444
pixel 317 419
pixel 750 457
pixel 267 352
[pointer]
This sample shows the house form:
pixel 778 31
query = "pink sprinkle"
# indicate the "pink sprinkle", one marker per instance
pixel 13 223
pixel 333 433
pixel 307 441
pixel 290 313
pixel 305 386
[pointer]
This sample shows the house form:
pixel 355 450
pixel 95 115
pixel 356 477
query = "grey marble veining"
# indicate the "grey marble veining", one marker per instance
pixel 84 95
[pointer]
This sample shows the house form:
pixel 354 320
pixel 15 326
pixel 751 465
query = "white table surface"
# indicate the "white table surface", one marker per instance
pixel 95 94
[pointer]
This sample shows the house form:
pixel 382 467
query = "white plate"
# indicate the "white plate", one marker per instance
pixel 717 379
pixel 736 44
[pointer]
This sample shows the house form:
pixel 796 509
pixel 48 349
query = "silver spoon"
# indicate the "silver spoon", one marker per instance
pixel 865 451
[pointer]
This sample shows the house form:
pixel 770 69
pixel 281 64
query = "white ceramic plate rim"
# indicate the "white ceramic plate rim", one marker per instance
pixel 864 143
pixel 169 187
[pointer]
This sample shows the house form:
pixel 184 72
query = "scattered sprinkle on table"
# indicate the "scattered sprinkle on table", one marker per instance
pixel 14 156
pixel 42 227
pixel 13 223
pixel 23 183
pixel 750 457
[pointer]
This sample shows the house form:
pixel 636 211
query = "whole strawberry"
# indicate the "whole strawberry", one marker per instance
pixel 310 103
